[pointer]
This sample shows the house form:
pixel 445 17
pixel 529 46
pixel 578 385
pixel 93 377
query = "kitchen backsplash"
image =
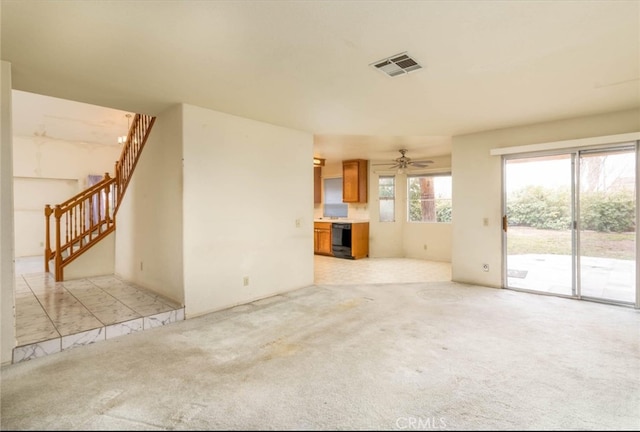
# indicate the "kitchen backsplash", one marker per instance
pixel 356 211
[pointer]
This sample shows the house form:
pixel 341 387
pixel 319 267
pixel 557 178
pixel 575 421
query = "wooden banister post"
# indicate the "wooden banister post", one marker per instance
pixel 118 177
pixel 107 216
pixel 58 213
pixel 47 237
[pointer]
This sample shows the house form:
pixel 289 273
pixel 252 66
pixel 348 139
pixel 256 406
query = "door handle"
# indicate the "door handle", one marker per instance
pixel 504 223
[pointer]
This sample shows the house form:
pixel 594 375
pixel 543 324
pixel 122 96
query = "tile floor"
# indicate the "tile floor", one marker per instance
pixel 54 316
pixel 339 271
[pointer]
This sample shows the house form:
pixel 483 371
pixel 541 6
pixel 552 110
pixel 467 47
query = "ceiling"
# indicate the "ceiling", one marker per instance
pixel 306 64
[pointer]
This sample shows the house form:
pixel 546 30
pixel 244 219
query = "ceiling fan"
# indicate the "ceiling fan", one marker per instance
pixel 404 162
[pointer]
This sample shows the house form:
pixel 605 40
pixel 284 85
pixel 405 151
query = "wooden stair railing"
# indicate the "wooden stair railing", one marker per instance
pixel 88 217
pixel 80 222
pixel 136 139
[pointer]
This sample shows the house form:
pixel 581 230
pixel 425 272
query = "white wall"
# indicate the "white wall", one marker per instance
pixel 7 302
pixel 428 241
pixel 56 170
pixel 477 186
pixel 96 261
pixel 44 158
pixel 149 247
pixel 246 184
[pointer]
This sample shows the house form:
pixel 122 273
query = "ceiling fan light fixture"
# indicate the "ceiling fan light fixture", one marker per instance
pixel 404 163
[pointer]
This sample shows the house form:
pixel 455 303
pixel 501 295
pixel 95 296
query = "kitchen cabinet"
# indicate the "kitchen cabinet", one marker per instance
pixel 354 181
pixel 317 185
pixel 360 240
pixel 322 238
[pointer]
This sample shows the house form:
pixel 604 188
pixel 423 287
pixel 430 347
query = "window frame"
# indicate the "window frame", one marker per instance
pixel 382 199
pixel 436 199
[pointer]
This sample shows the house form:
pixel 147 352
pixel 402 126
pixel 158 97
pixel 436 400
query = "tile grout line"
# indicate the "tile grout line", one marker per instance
pixel 44 310
pixel 115 298
pixel 83 305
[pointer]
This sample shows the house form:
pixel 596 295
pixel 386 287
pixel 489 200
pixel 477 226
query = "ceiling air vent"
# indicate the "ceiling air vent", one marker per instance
pixel 398 64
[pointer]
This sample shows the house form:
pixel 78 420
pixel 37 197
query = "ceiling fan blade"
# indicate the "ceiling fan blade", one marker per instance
pixel 405 162
pixel 389 167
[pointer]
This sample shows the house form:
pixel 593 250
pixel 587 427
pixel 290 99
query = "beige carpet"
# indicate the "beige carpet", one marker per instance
pixel 408 356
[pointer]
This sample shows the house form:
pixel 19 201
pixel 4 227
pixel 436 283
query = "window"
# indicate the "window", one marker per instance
pixel 387 196
pixel 333 205
pixel 429 198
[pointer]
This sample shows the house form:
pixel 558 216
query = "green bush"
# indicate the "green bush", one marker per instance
pixel 538 207
pixel 608 212
pixel 443 211
pixel 546 208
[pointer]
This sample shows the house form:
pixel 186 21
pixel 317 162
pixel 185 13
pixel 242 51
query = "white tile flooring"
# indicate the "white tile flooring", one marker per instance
pixel 339 271
pixel 54 316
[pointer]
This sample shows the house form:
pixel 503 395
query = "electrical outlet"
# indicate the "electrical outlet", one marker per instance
pixel 485 221
pixel 298 223
pixel 485 267
pixel 245 280
pixel 141 267
pixel 425 247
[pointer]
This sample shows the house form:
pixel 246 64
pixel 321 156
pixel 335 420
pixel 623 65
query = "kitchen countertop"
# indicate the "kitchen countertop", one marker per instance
pixel 341 220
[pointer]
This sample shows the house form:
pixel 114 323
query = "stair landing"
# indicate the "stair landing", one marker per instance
pixel 55 316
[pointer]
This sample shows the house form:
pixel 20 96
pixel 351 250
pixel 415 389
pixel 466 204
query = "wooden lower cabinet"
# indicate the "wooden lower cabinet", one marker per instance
pixel 322 244
pixel 360 240
pixel 322 238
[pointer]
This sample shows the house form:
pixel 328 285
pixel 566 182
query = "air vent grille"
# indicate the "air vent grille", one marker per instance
pixel 397 65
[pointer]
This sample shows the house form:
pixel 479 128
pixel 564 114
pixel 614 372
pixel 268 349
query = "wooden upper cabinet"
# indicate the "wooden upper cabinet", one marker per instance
pixel 317 185
pixel 354 181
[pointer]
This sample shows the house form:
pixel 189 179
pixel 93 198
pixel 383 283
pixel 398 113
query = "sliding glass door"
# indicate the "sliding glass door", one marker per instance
pixel 607 240
pixel 539 234
pixel 569 226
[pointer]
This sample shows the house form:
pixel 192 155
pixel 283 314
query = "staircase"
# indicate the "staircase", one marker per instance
pixel 86 218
